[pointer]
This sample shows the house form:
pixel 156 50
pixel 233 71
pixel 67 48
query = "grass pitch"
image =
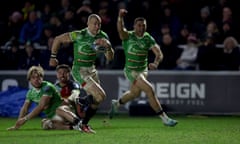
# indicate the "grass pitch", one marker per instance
pixel 124 129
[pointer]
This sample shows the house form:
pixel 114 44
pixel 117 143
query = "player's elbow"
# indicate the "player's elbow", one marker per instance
pixel 57 40
pixel 161 57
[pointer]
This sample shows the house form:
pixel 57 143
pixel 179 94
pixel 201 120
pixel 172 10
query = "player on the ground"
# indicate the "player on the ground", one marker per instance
pixel 44 94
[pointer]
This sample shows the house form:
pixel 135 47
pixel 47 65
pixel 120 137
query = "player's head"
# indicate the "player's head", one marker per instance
pixel 140 26
pixel 94 23
pixel 35 76
pixel 63 66
pixel 63 73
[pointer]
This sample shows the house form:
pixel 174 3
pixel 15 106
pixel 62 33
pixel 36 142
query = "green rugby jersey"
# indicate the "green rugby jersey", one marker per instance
pixel 84 55
pixel 47 89
pixel 136 50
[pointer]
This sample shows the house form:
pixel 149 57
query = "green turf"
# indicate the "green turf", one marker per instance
pixel 123 129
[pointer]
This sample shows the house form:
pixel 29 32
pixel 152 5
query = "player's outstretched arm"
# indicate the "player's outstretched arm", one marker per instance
pixel 61 39
pixel 122 31
pixel 22 118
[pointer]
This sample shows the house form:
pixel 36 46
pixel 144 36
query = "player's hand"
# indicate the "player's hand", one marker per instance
pixel 122 12
pixel 152 66
pixel 12 128
pixel 103 42
pixel 18 124
pixel 53 62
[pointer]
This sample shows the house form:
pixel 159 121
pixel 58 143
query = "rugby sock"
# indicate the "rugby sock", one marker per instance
pixel 120 102
pixel 76 120
pixel 160 112
pixel 162 115
pixel 89 114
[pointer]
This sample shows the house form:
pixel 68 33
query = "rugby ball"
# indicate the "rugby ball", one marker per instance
pixel 98 48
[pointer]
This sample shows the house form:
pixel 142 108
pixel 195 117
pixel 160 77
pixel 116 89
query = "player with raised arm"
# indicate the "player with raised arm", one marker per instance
pixel 136 45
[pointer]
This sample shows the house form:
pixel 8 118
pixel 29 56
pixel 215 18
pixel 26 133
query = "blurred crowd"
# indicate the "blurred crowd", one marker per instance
pixel 193 34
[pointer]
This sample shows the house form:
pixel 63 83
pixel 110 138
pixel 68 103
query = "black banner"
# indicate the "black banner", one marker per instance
pixel 180 92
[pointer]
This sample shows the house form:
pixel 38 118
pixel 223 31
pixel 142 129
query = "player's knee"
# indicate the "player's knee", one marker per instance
pixel 99 97
pixel 61 108
pixel 98 100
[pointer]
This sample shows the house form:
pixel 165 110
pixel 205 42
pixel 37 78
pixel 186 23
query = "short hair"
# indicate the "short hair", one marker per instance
pixel 232 40
pixel 139 19
pixel 93 16
pixel 35 69
pixel 63 66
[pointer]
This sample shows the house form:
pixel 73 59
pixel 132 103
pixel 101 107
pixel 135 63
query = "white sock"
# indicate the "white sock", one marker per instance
pixel 164 117
pixel 118 104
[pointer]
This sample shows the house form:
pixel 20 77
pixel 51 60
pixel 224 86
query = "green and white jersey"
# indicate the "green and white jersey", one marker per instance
pixel 136 50
pixel 47 89
pixel 84 55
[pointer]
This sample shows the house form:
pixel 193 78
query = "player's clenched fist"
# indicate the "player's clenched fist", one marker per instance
pixel 122 12
pixel 53 62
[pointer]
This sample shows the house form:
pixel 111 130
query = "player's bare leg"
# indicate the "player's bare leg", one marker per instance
pixel 146 86
pixel 66 113
pixel 142 84
pixel 127 96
